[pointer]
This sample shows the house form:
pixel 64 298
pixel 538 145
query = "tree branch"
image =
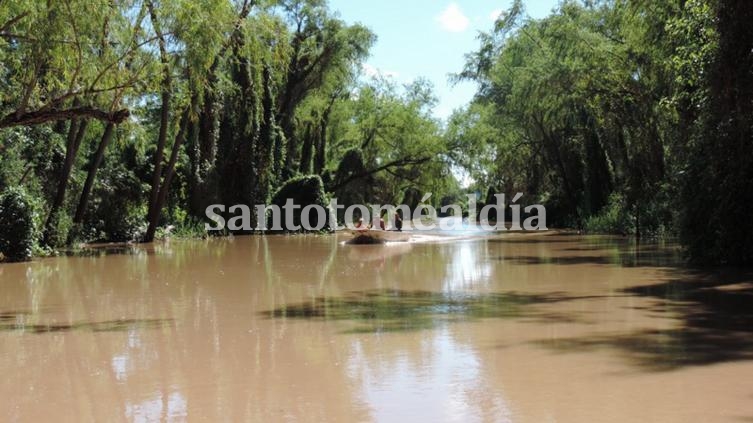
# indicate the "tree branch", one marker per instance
pixel 42 116
pixel 394 163
pixel 12 22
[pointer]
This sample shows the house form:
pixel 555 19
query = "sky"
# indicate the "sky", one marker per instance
pixel 428 38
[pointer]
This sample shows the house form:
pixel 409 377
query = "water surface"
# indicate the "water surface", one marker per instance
pixel 519 328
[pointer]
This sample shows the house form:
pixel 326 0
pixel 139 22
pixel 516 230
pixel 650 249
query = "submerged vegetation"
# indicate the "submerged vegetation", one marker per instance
pixel 121 119
pixel 392 310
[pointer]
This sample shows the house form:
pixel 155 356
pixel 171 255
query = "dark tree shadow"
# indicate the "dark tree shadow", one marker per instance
pixel 16 321
pixel 530 241
pixel 719 300
pixel 658 258
pixel 580 250
pixel 108 250
pixel 715 309
pixel 663 350
pixel 564 260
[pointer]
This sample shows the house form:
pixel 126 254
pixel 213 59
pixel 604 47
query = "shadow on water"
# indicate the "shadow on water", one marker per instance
pixel 391 310
pixel 16 321
pixel 532 241
pixel 715 310
pixel 588 250
pixel 108 250
pixel 624 259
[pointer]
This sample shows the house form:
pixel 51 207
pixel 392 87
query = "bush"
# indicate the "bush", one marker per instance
pixel 188 228
pixel 116 212
pixel 614 218
pixel 304 191
pixel 17 227
pixel 60 228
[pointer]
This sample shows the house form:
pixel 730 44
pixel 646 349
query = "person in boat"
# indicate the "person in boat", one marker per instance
pixel 398 221
pixel 381 223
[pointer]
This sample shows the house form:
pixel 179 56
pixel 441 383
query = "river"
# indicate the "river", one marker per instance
pixel 549 327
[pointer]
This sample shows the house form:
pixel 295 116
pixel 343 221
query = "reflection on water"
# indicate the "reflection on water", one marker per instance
pixel 391 310
pixel 161 407
pixel 517 327
pixel 404 388
pixel 468 267
pixel 19 323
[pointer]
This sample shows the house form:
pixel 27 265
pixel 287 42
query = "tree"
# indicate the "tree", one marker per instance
pixel 200 40
pixel 718 188
pixel 579 93
pixel 57 52
pixel 320 45
pixel 68 60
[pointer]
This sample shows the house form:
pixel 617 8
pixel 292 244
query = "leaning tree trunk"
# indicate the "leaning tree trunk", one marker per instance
pixel 96 162
pixel 304 166
pixel 164 188
pixel 158 157
pixel 75 136
pixel 153 214
pixel 320 156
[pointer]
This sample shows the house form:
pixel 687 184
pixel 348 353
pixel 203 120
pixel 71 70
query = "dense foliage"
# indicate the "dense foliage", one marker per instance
pixel 126 117
pixel 303 191
pixel 717 192
pixel 122 118
pixel 17 237
pixel 621 116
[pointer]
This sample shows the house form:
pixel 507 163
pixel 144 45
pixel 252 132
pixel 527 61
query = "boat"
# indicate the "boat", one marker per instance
pixel 379 253
pixel 373 236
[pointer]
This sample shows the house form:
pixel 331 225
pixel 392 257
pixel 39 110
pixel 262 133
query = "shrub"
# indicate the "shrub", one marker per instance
pixel 304 191
pixel 614 218
pixel 61 227
pixel 188 228
pixel 116 212
pixel 17 225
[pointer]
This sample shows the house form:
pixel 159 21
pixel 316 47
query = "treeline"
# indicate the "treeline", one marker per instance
pixel 632 117
pixel 119 119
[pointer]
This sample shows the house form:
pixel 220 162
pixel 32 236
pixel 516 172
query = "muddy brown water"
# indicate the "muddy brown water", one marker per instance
pixel 521 328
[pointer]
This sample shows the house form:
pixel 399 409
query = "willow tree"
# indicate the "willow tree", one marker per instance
pixel 188 38
pixel 52 54
pixel 582 91
pixel 320 44
pixel 397 139
pixel 249 143
pixel 70 61
pixel 718 188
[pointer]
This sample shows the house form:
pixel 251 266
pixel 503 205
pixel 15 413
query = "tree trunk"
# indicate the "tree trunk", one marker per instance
pixel 308 148
pixel 153 213
pixel 320 158
pixel 92 174
pixel 75 136
pixel 164 188
pixel 321 150
pixel 555 155
pixel 37 117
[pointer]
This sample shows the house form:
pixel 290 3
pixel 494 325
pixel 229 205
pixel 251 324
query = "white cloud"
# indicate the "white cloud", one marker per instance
pixel 496 14
pixel 452 19
pixel 373 72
